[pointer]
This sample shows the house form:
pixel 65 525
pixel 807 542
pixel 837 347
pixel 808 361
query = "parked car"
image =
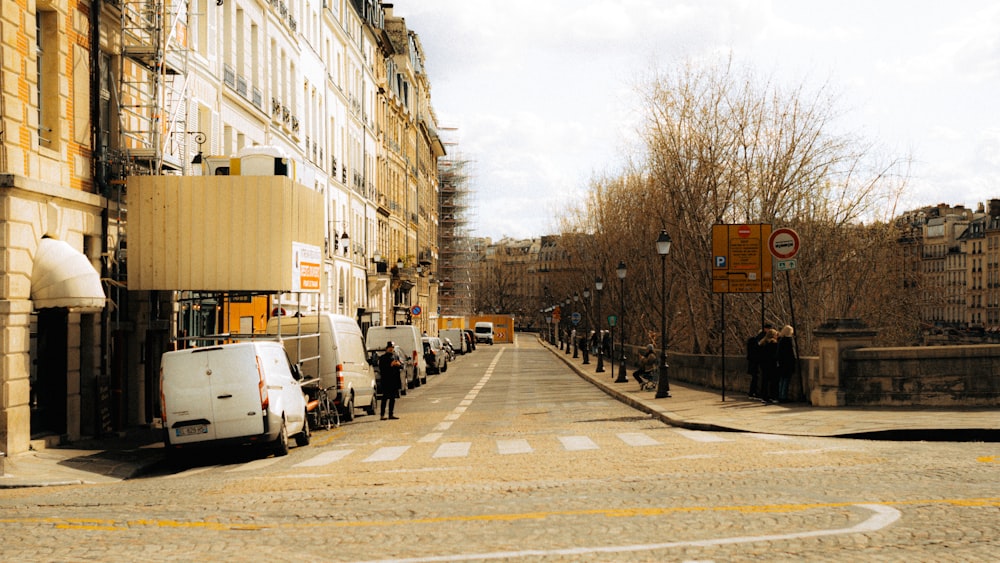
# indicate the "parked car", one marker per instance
pixel 241 394
pixel 408 342
pixel 342 366
pixel 434 353
pixel 456 337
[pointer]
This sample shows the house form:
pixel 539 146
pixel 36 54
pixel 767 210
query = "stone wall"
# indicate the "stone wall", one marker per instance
pixel 848 372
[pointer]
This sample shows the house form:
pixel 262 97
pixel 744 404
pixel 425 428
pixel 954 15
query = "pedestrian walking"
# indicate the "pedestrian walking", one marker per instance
pixel 786 361
pixel 753 361
pixel 768 359
pixel 389 368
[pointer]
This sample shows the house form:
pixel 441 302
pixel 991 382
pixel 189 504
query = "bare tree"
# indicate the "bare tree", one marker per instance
pixel 726 147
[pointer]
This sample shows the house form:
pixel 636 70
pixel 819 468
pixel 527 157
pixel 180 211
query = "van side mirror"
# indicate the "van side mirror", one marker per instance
pixel 296 372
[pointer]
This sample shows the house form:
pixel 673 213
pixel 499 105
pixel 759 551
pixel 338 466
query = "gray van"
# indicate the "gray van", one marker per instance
pixel 342 366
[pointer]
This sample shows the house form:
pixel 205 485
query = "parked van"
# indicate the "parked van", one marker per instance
pixel 408 343
pixel 484 332
pixel 342 367
pixel 243 393
pixel 457 338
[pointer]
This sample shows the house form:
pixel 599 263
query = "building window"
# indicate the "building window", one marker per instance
pixel 47 38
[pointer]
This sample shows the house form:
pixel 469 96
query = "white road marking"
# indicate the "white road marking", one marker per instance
pixel 577 443
pixel 883 517
pixel 508 447
pixel 637 439
pixel 699 436
pixel 324 458
pixel 255 464
pixel 453 449
pixel 432 437
pixel 390 453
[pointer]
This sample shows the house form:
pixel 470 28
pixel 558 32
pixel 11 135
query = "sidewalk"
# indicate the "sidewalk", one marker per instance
pixel 698 408
pixel 123 457
pixel 107 460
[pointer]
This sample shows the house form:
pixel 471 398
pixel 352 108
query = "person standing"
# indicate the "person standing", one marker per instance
pixel 389 368
pixel 768 350
pixel 786 361
pixel 753 361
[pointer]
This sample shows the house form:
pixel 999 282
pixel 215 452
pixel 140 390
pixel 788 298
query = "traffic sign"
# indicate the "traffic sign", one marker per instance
pixel 575 317
pixel 612 320
pixel 785 265
pixel 783 243
pixel 740 261
pixel 415 310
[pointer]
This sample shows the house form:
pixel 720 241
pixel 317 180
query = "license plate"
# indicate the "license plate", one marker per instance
pixel 191 430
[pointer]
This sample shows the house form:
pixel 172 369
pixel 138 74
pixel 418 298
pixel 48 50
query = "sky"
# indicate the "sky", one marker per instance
pixel 541 95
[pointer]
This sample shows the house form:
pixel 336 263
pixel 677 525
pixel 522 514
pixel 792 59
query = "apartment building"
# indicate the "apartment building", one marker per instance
pixel 191 89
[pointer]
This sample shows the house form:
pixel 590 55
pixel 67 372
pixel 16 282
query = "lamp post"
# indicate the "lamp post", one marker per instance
pixel 586 327
pixel 599 286
pixel 569 323
pixel 576 335
pixel 621 271
pixel 663 248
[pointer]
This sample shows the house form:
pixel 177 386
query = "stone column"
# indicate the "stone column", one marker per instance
pixel 833 338
pixel 15 387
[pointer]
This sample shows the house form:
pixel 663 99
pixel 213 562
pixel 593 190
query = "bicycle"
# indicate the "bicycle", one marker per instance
pixel 323 411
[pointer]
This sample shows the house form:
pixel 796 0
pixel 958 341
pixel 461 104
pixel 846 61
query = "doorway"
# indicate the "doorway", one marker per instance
pixel 48 372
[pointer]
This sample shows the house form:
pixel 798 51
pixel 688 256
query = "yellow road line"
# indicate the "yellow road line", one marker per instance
pixel 118 525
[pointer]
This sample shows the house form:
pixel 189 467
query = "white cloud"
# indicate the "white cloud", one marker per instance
pixel 542 91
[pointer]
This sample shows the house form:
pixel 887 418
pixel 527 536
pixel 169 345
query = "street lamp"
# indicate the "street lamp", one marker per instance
pixel 663 248
pixel 586 326
pixel 576 336
pixel 621 271
pixel 599 286
pixel 569 322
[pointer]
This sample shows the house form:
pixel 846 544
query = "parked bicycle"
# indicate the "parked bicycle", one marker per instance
pixel 322 408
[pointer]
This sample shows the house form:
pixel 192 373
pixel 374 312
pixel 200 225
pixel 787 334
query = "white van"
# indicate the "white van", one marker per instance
pixel 484 332
pixel 342 364
pixel 243 393
pixel 410 346
pixel 457 338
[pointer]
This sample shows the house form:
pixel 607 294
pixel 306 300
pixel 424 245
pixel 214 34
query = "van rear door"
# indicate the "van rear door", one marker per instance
pixel 212 393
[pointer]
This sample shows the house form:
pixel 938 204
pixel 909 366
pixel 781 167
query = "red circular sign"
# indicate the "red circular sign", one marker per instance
pixel 743 231
pixel 783 243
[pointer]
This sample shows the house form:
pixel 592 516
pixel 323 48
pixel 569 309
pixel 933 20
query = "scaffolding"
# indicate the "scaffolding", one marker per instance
pixel 456 248
pixel 153 86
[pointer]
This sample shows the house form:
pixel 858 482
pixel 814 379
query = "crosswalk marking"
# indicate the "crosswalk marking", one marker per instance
pixel 391 453
pixel 637 439
pixel 324 458
pixel 508 447
pixel 774 437
pixel 577 443
pixel 255 464
pixel 700 436
pixel 453 449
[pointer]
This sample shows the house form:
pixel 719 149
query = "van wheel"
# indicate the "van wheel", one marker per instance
pixel 347 413
pixel 303 438
pixel 281 443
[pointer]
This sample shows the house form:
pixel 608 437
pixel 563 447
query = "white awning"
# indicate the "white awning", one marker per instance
pixel 64 277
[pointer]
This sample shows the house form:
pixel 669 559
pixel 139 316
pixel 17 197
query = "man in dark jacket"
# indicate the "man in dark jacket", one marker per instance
pixel 753 361
pixel 389 368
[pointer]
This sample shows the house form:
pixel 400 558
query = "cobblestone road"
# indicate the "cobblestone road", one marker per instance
pixel 509 455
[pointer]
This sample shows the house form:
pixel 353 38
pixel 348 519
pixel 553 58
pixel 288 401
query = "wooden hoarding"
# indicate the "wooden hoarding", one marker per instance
pixel 219 233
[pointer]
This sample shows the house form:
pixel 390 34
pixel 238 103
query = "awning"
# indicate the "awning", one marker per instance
pixel 64 277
